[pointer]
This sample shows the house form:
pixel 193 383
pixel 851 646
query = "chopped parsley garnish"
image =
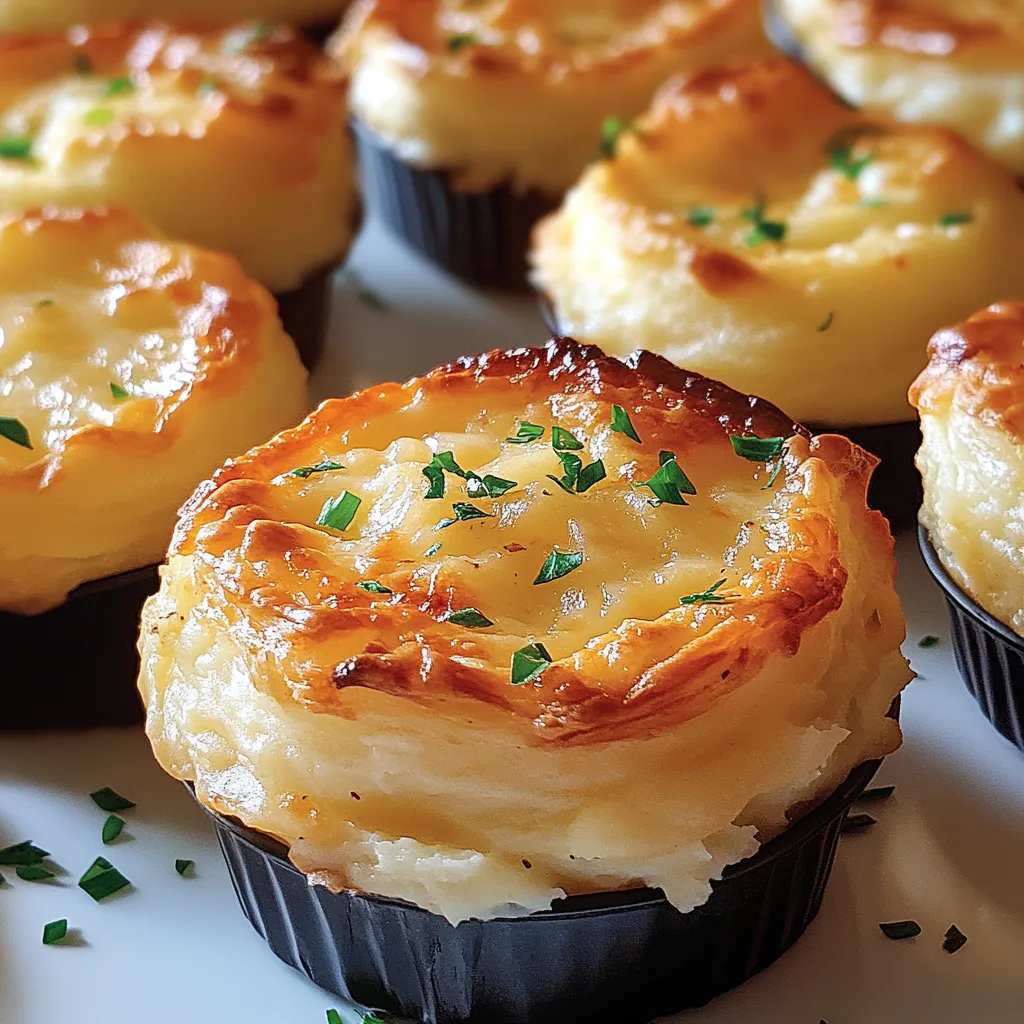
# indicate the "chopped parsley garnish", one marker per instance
pixel 877 794
pixel 670 483
pixel 44 303
pixel 366 295
pixel 333 1017
pixel 488 486
pixel 117 391
pixel 372 1018
pixel 611 129
pixel 373 587
pixel 14 430
pixel 528 663
pixel 184 867
pixel 102 879
pixel 563 440
pixel 590 475
pixel 764 230
pixel 622 424
pixel 463 511
pixel 107 800
pixel 827 322
pixel 709 596
pixel 841 159
pixel 948 220
pixel 33 873
pixel 99 116
pixel 432 550
pixel 81 63
pixel 900 929
pixel 112 829
pixel 23 853
pixel 15 147
pixel 954 939
pixel 571 465
pixel 700 216
pixel 55 931
pixel 527 433
pixel 929 641
pixel 239 42
pixel 459 40
pixel 303 472
pixel 873 204
pixel 557 565
pixel 757 449
pixel 339 512
pixel 441 463
pixel 472 617
pixel 858 823
pixel 117 86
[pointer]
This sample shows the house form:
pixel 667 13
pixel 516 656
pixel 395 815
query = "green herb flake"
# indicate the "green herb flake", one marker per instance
pixel 184 867
pixel 764 230
pixel 372 1018
pixel 373 587
pixel 709 596
pixel 14 430
pixel 897 930
pixel 528 663
pixel 207 87
pixel 239 42
pixel 99 116
pixel 107 800
pixel 700 216
pixel 857 823
pixel 873 204
pixel 954 939
pixel 757 449
pixel 55 931
pixel 557 565
pixel 118 392
pixel 434 471
pixel 471 617
pixel 563 440
pixel 33 872
pixel 526 434
pixel 112 829
pixel 366 295
pixel 488 486
pixel 333 1017
pixel 304 472
pixel 622 424
pixel 459 40
pixel 827 322
pixel 928 641
pixel 22 853
pixel 44 303
pixel 670 483
pixel 15 147
pixel 119 86
pixel 841 159
pixel 81 63
pixel 611 130
pixel 463 511
pixel 876 795
pixel 339 512
pixel 590 475
pixel 949 220
pixel 102 879
pixel 432 550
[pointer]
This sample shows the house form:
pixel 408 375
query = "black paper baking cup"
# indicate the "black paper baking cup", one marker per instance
pixel 895 489
pixel 622 957
pixel 989 655
pixel 481 237
pixel 305 313
pixel 76 666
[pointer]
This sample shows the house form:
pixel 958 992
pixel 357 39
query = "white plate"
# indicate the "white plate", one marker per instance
pixel 949 846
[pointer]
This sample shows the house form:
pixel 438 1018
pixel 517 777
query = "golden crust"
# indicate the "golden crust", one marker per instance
pixel 135 364
pixel 938 62
pixel 424 771
pixel 457 86
pixel 971 400
pixel 229 137
pixel 658 245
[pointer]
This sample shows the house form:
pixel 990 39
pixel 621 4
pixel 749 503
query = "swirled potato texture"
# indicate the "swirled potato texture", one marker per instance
pixel 231 138
pixel 754 229
pixel 971 400
pixel 549 679
pixel 130 367
pixel 516 91
pixel 933 62
pixel 22 16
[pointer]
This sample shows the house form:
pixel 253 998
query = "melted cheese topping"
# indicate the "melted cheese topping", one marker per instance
pixel 924 61
pixel 318 682
pixel 659 246
pixel 232 139
pixel 458 85
pixel 135 365
pixel 971 400
pixel 51 15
